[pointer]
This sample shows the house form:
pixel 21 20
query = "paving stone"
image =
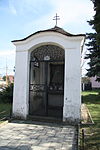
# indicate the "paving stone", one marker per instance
pixel 21 136
pixel 23 147
pixel 6 148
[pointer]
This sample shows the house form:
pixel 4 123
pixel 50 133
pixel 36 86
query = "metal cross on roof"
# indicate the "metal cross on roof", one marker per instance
pixel 56 18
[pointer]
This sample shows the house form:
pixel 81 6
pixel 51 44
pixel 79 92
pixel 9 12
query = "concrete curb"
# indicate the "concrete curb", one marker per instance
pixel 4 123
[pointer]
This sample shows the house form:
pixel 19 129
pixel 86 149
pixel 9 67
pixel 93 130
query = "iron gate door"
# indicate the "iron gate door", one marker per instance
pixel 46 88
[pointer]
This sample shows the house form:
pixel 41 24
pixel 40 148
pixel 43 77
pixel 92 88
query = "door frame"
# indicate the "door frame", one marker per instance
pixel 46 81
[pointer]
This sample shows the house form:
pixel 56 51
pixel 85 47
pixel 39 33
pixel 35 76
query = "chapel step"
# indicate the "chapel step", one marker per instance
pixel 45 119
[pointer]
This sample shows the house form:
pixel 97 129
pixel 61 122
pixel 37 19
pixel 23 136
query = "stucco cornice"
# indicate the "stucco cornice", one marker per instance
pixel 48 34
pixel 56 29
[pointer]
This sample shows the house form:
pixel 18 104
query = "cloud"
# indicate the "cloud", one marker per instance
pixel 12 8
pixel 7 57
pixel 22 7
pixel 69 11
pixel 7 53
pixel 73 11
pixel 73 16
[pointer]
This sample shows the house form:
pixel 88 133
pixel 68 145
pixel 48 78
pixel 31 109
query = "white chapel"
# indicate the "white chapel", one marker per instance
pixel 48 75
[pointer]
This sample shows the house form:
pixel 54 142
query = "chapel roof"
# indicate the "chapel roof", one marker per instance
pixel 54 29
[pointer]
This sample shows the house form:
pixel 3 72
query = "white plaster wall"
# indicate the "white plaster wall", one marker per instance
pixel 21 85
pixel 72 98
pixel 71 45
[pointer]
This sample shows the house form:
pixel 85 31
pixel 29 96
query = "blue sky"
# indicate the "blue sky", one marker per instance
pixel 19 18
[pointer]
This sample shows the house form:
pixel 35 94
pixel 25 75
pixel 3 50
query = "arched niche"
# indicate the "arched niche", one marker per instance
pixel 47 81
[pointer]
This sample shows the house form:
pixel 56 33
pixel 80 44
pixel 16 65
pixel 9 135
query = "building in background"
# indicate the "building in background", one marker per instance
pixel 2 82
pixel 89 83
pixel 11 78
pixel 94 83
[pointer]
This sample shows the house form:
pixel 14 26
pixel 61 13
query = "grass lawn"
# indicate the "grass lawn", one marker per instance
pixel 4 111
pixel 92 137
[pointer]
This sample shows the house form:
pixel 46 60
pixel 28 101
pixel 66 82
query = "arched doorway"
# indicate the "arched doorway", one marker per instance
pixel 46 94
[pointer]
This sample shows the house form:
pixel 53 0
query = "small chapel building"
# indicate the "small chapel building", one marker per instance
pixel 48 75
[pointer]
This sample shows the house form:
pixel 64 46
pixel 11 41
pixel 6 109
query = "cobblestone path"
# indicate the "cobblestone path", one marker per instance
pixel 35 136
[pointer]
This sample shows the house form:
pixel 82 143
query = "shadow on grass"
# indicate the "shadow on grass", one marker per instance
pixel 92 141
pixel 92 133
pixel 91 99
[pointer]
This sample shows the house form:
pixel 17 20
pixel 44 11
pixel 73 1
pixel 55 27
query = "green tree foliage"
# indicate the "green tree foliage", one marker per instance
pixel 4 78
pixel 94 43
pixel 6 94
pixel 96 21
